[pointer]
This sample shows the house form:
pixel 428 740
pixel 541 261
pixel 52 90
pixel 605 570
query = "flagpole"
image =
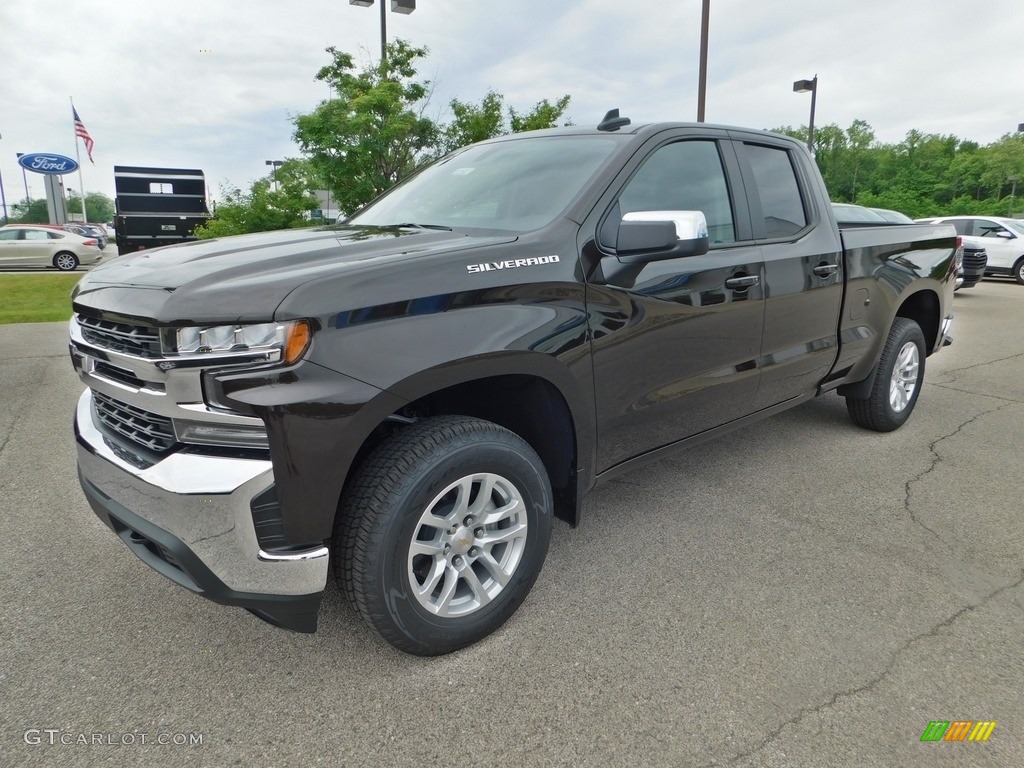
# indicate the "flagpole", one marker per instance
pixel 78 157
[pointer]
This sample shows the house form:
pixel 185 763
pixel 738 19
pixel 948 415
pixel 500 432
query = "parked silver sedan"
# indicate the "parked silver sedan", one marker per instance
pixel 23 245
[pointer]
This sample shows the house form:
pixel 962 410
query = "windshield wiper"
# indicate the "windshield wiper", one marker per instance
pixel 413 225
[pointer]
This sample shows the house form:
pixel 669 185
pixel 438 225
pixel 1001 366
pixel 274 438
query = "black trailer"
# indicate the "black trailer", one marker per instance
pixel 157 206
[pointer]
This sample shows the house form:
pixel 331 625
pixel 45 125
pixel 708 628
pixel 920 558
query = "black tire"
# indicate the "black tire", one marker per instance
pixel 1018 270
pixel 65 261
pixel 878 412
pixel 384 512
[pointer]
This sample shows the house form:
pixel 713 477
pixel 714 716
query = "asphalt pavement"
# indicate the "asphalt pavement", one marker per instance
pixel 800 593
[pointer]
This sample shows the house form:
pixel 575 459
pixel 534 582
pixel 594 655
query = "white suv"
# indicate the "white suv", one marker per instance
pixel 1002 239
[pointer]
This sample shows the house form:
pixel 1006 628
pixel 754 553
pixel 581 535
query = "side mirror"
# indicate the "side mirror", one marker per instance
pixel 657 235
pixel 1005 235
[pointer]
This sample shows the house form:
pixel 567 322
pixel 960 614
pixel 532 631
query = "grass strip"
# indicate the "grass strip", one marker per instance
pixel 36 298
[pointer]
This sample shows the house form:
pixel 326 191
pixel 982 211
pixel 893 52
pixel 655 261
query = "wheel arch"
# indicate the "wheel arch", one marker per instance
pixel 923 307
pixel 530 394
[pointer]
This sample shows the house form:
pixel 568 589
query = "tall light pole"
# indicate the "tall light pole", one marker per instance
pixel 24 178
pixel 803 86
pixel 702 77
pixel 3 197
pixel 1013 191
pixel 398 6
pixel 277 164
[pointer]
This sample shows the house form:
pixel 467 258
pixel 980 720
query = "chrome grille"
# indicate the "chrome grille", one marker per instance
pixel 138 340
pixel 140 427
pixel 975 258
pixel 113 373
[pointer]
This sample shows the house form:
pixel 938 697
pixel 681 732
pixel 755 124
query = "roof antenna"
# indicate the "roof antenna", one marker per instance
pixel 612 121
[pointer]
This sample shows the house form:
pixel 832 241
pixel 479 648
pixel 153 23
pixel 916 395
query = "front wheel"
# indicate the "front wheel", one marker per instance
pixel 65 262
pixel 1018 270
pixel 442 533
pixel 897 380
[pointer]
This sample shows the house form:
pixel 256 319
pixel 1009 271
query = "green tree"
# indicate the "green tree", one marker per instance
pixel 923 175
pixel 98 207
pixel 471 122
pixel 543 115
pixel 373 133
pixel 27 211
pixel 860 136
pixel 474 122
pixel 281 200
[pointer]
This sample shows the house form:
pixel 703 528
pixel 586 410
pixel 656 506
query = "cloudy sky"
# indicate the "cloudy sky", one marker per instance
pixel 213 85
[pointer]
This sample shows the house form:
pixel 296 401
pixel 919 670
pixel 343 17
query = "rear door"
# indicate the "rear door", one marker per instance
pixel 803 265
pixel 674 342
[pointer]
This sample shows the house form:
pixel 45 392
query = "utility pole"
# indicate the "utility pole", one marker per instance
pixel 702 78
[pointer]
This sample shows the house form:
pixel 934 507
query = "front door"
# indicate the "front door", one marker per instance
pixel 675 344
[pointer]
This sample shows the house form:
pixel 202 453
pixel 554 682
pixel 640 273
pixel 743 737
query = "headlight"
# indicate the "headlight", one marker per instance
pixel 291 339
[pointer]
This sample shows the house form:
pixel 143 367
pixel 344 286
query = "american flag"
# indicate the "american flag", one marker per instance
pixel 83 135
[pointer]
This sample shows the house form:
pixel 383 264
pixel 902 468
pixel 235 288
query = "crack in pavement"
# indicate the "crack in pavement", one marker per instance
pixel 871 684
pixel 955 371
pixel 936 460
pixel 951 388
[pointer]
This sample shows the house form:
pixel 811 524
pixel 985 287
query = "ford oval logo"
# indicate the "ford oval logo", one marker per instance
pixel 47 162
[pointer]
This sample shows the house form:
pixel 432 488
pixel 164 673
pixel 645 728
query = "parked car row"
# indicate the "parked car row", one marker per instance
pixel 1001 238
pixel 90 230
pixel 980 236
pixel 30 245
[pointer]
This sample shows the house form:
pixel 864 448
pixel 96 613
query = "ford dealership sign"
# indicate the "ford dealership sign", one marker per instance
pixel 45 162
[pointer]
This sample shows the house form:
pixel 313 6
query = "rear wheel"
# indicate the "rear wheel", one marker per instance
pixel 65 262
pixel 897 380
pixel 442 533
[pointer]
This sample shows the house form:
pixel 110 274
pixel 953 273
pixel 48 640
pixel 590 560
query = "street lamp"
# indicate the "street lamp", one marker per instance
pixel 3 197
pixel 803 86
pixel 702 72
pixel 24 178
pixel 398 6
pixel 277 164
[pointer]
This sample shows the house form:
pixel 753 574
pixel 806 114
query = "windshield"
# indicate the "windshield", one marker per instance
pixel 1014 225
pixel 511 185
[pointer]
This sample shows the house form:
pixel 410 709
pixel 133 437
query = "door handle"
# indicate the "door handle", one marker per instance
pixel 824 270
pixel 742 282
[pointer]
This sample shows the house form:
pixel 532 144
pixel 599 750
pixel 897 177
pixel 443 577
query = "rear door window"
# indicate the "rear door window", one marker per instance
pixel 782 204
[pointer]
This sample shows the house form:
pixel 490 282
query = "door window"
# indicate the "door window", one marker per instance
pixel 984 228
pixel 8 234
pixel 782 205
pixel 684 176
pixel 962 226
pixel 35 234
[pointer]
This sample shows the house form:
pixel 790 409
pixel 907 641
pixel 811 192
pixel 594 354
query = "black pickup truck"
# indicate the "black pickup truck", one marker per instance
pixel 410 397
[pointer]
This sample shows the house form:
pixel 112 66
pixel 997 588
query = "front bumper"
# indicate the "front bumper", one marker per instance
pixel 189 517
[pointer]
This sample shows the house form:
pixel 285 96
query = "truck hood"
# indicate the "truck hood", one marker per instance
pixel 245 278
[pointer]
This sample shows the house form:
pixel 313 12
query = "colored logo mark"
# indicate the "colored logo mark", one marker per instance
pixel 958 730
